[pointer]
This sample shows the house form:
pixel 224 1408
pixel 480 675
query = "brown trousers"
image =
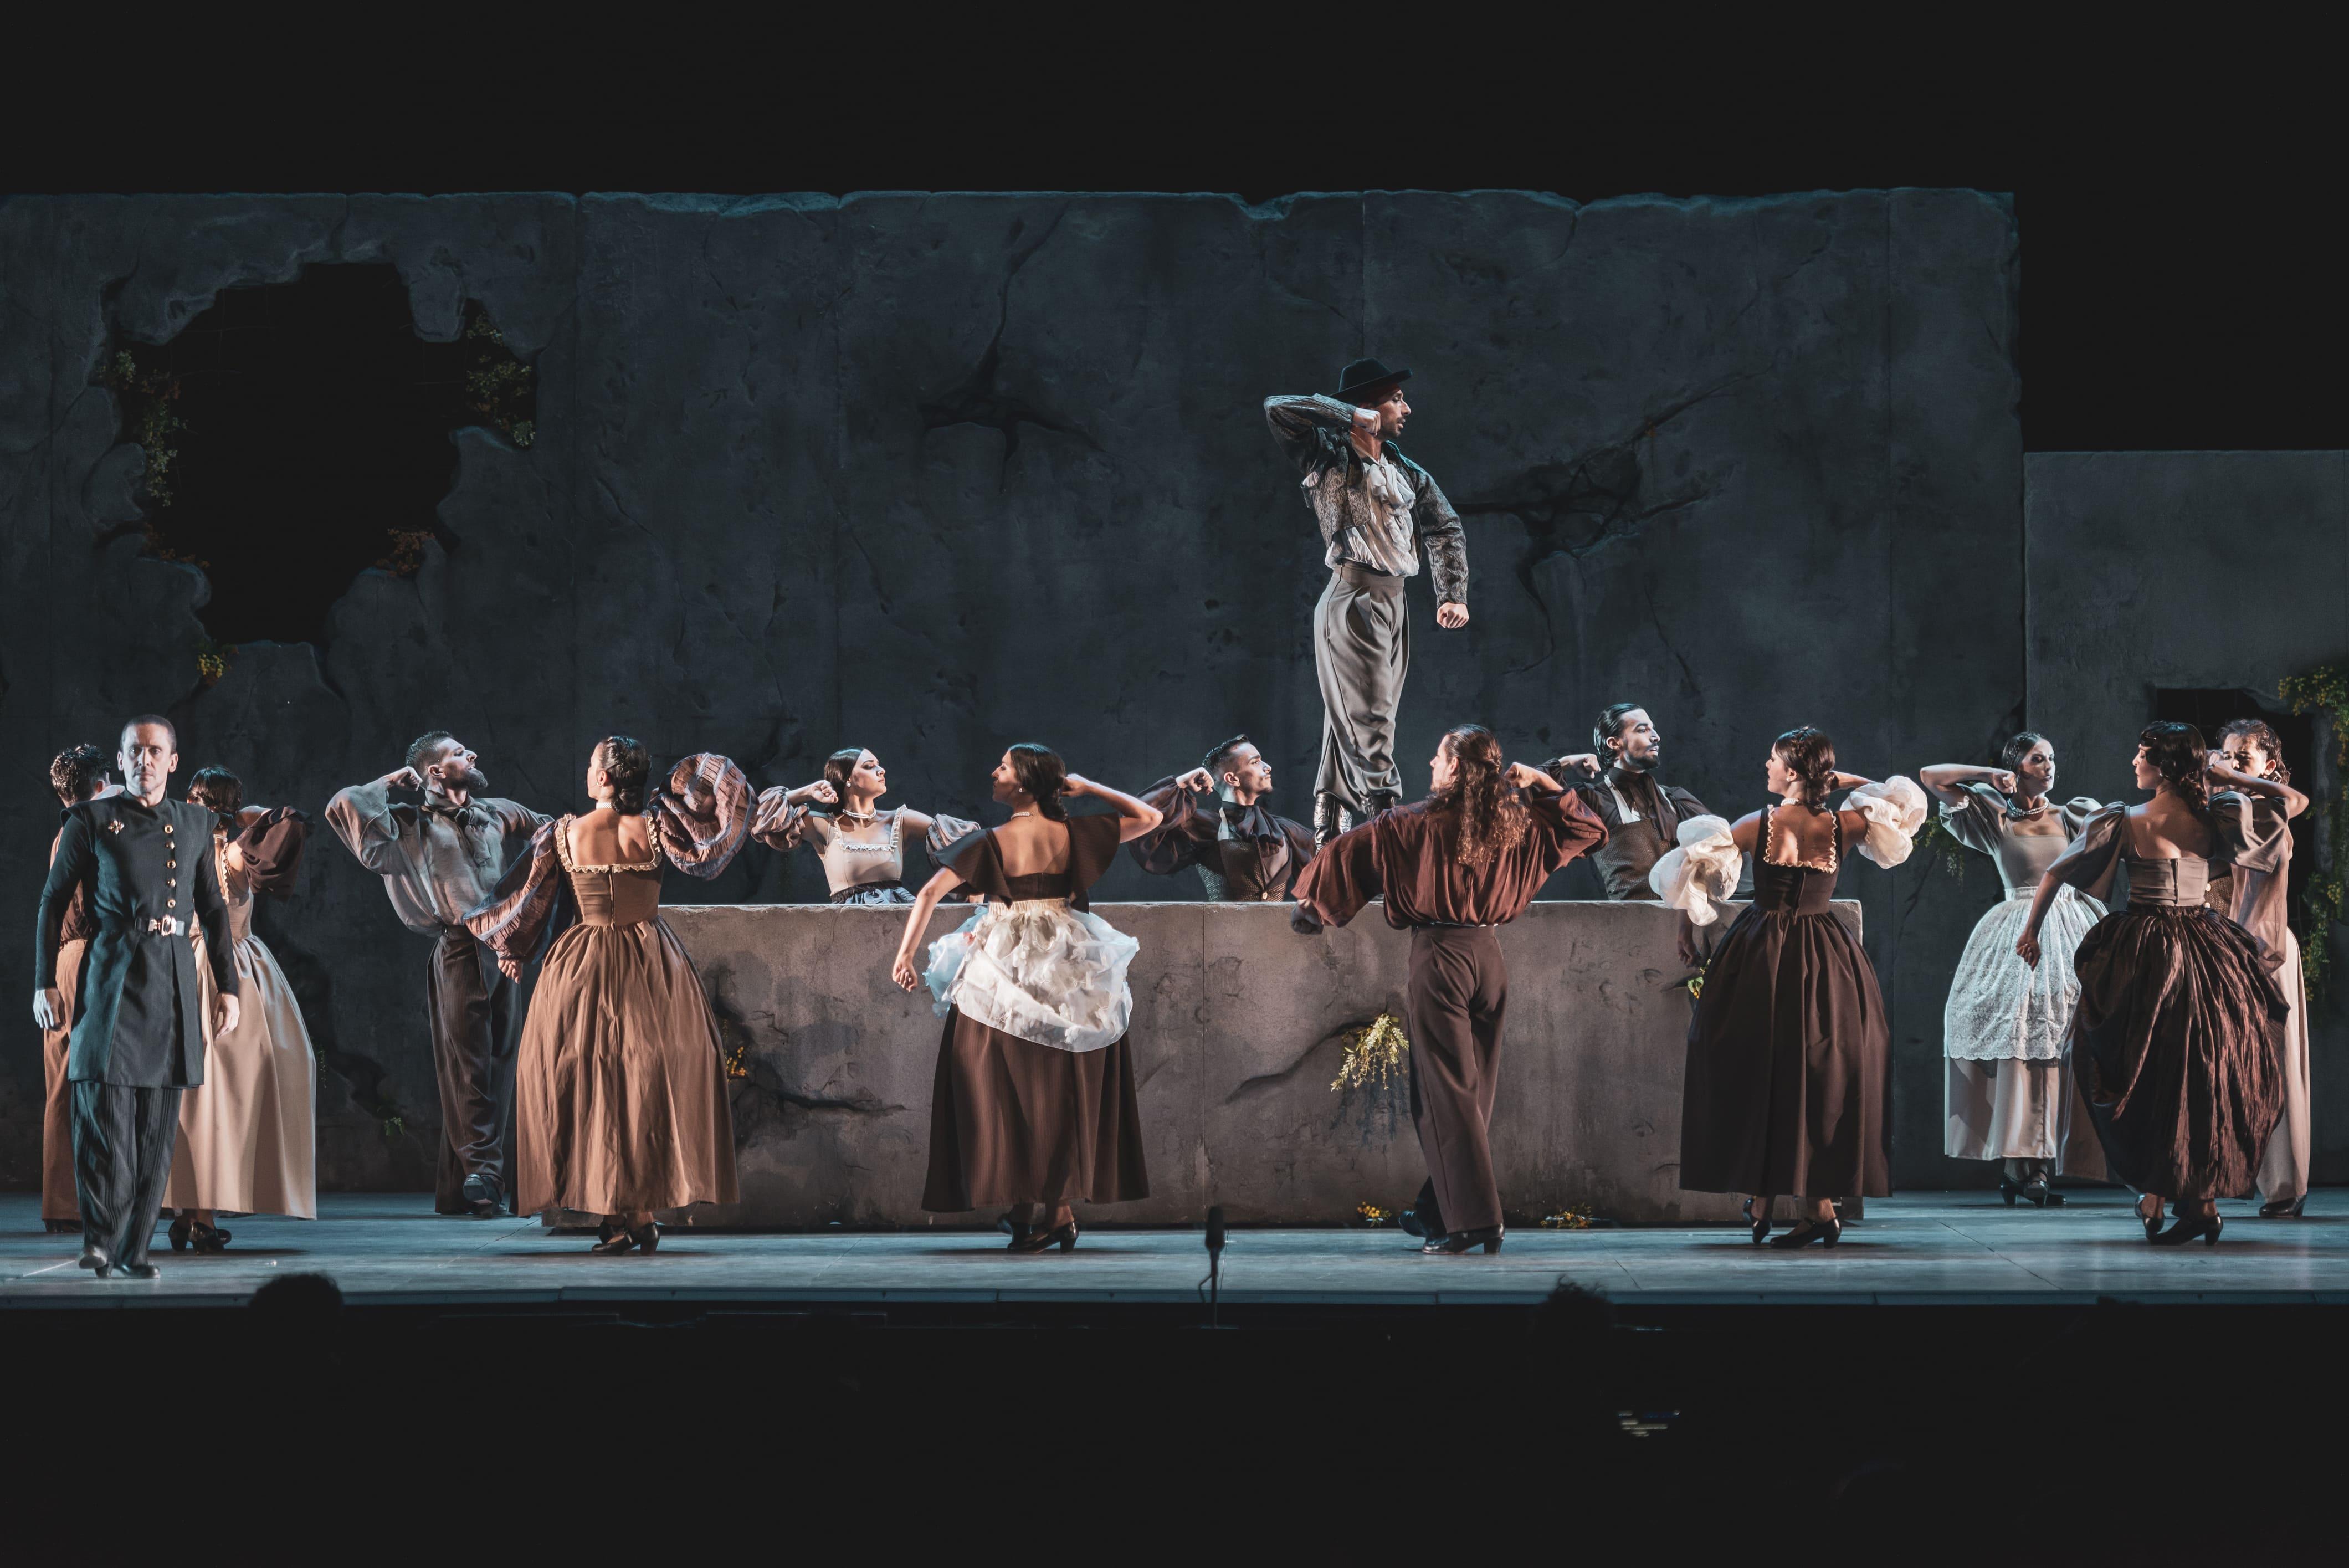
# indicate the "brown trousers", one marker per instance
pixel 470 1008
pixel 57 1105
pixel 1459 990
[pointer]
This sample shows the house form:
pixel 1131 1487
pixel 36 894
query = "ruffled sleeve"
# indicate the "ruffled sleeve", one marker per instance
pixel 1894 809
pixel 1702 872
pixel 1977 818
pixel 779 823
pixel 2252 831
pixel 513 921
pixel 1093 847
pixel 2075 813
pixel 945 833
pixel 2088 861
pixel 1183 833
pixel 703 816
pixel 1341 881
pixel 270 848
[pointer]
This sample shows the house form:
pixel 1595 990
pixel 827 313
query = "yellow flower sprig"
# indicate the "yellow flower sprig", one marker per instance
pixel 1373 1056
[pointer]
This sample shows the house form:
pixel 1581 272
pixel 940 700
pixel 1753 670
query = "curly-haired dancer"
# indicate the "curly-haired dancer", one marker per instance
pixel 1789 1084
pixel 1452 867
pixel 2253 894
pixel 1244 854
pixel 2174 1039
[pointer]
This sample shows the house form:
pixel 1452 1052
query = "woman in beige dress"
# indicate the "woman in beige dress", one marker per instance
pixel 620 1103
pixel 246 1131
pixel 840 816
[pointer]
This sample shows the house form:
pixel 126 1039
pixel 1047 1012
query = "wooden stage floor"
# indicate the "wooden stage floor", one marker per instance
pixel 1946 1249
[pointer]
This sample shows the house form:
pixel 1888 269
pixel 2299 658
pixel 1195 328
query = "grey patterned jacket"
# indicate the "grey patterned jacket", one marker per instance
pixel 1313 432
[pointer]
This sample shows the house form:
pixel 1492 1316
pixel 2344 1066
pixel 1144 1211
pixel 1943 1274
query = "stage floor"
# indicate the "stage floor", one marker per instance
pixel 1926 1248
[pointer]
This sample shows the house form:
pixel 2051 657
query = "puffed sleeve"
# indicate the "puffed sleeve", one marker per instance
pixel 1182 831
pixel 1340 882
pixel 2075 813
pixel 1698 875
pixel 270 848
pixel 780 823
pixel 1894 809
pixel 2088 861
pixel 1568 825
pixel 513 921
pixel 703 816
pixel 945 834
pixel 1977 818
pixel 2252 831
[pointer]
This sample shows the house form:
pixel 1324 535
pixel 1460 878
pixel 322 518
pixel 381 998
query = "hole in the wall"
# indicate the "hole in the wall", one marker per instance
pixel 2208 711
pixel 297 434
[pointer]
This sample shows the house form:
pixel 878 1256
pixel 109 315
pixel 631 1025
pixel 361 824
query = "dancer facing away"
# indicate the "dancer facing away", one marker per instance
pixel 2254 895
pixel 2007 1093
pixel 76 773
pixel 1452 867
pixel 840 817
pixel 1617 779
pixel 1789 1083
pixel 1376 508
pixel 144 863
pixel 1244 854
pixel 438 860
pixel 620 1087
pixel 2174 1038
pixel 1034 1100
pixel 246 1131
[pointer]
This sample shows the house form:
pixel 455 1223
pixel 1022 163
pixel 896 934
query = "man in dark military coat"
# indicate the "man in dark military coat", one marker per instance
pixel 144 863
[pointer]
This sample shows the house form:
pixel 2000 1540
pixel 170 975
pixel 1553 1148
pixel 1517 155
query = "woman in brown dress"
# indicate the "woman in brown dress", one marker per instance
pixel 246 1132
pixel 2174 1041
pixel 620 1104
pixel 1451 869
pixel 1034 1101
pixel 1789 1083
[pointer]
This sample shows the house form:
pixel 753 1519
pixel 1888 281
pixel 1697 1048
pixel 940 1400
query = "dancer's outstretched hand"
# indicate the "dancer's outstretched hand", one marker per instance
pixel 2026 948
pixel 402 778
pixel 2002 780
pixel 1452 615
pixel 902 972
pixel 1532 778
pixel 1197 779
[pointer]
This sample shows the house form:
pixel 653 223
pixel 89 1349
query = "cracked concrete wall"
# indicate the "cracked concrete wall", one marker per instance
pixel 933 473
pixel 2197 570
pixel 1237 1033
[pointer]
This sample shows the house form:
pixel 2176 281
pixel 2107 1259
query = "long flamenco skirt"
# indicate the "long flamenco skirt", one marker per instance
pixel 245 1132
pixel 2007 1093
pixel 1046 1115
pixel 2175 1044
pixel 620 1087
pixel 1788 1087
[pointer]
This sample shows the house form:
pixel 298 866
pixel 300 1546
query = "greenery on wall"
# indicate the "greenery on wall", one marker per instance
pixel 2325 691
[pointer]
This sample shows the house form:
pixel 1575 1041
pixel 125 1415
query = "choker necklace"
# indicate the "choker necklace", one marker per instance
pixel 1022 813
pixel 2022 814
pixel 859 815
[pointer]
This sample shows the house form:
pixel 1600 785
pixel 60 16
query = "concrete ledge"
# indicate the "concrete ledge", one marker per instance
pixel 1235 1036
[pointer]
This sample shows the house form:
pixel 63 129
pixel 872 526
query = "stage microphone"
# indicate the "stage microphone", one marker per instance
pixel 1214 1280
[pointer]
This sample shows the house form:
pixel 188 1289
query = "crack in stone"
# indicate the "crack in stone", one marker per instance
pixel 977 399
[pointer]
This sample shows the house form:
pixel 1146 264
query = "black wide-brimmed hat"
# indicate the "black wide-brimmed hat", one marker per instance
pixel 1364 374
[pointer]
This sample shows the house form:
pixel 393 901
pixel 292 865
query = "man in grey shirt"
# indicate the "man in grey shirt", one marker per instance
pixel 439 859
pixel 1376 508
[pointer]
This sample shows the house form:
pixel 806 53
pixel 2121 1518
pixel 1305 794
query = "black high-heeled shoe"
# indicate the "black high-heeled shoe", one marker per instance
pixel 611 1239
pixel 1809 1231
pixel 2187 1227
pixel 2009 1190
pixel 1486 1239
pixel 1043 1238
pixel 2283 1210
pixel 2039 1195
pixel 209 1238
pixel 179 1234
pixel 2152 1222
pixel 1761 1223
pixel 646 1236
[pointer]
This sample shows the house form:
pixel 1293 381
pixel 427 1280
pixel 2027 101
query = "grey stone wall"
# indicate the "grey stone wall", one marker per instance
pixel 2197 570
pixel 1237 1036
pixel 933 474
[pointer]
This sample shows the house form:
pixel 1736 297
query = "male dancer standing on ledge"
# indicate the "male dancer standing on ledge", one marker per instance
pixel 1375 506
pixel 143 865
pixel 436 861
pixel 1244 855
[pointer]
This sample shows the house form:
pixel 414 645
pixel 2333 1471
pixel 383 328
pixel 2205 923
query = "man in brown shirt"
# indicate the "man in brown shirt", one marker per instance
pixel 438 860
pixel 1450 869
